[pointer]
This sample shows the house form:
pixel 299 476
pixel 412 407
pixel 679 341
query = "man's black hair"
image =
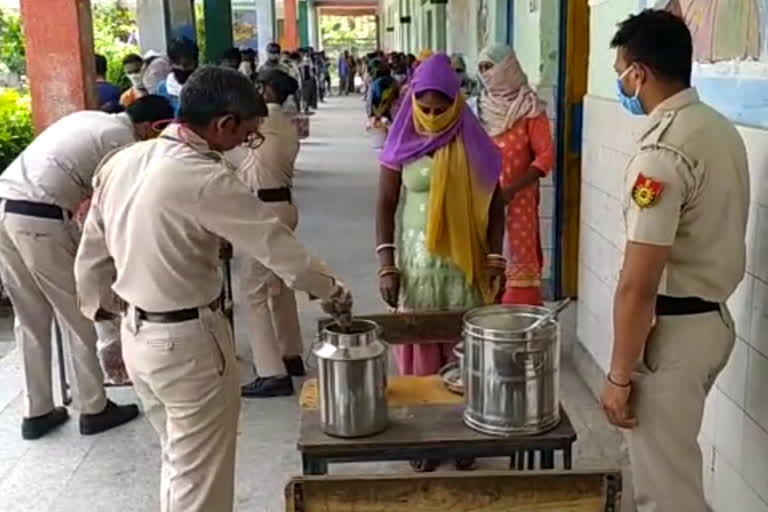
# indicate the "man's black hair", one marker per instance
pixel 214 91
pixel 232 54
pixel 101 65
pixel 132 58
pixel 150 108
pixel 183 48
pixel 274 48
pixel 283 84
pixel 660 41
pixel 250 53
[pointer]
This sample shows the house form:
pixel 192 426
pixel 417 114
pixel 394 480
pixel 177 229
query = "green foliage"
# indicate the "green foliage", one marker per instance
pixel 347 32
pixel 12 42
pixel 113 26
pixel 16 130
pixel 200 28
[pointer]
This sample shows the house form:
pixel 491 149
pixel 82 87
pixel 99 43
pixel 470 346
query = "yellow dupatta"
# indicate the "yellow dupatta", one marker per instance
pixel 457 219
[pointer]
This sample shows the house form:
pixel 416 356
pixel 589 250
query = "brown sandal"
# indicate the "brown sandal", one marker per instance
pixel 465 464
pixel 424 465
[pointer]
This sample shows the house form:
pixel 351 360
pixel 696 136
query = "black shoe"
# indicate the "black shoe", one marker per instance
pixel 295 366
pixel 35 428
pixel 112 416
pixel 268 387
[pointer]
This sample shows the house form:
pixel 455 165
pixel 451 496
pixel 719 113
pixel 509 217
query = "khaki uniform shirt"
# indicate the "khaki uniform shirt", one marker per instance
pixel 687 188
pixel 272 164
pixel 57 167
pixel 159 213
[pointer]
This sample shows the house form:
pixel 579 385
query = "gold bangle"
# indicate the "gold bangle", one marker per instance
pixel 388 270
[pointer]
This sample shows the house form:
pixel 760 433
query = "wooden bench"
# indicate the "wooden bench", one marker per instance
pixel 425 422
pixel 486 491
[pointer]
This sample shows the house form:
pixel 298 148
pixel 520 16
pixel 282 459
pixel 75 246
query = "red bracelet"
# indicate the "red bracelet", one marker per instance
pixel 618 385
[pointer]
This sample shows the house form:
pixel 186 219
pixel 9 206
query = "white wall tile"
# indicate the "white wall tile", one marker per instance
pixel 545 230
pixel 741 306
pixel 708 422
pixel 547 202
pixel 733 379
pixel 757 388
pixel 757 153
pixel 753 255
pixel 731 491
pixel 755 468
pixel 760 248
pixel 729 427
pixel 758 336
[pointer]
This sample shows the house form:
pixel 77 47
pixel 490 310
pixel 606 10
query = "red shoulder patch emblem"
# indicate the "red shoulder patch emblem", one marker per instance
pixel 646 191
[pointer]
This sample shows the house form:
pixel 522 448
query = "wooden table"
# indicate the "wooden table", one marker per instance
pixel 425 424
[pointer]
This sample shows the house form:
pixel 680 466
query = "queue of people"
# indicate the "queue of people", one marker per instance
pixel 451 173
pixel 113 223
pixel 208 157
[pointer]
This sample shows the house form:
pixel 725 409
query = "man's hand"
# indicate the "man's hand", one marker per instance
pixel 110 351
pixel 339 304
pixel 615 402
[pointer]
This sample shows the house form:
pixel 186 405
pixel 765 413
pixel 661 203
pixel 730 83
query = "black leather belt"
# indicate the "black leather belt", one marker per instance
pixel 275 195
pixel 168 317
pixel 678 306
pixel 33 209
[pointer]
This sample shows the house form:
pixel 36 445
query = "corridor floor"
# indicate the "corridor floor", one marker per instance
pixel 119 471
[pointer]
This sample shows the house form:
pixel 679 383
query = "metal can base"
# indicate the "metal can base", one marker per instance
pixel 544 426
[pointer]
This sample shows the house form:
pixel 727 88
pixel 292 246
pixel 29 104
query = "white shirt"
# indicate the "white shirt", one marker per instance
pixel 272 164
pixel 160 211
pixel 58 166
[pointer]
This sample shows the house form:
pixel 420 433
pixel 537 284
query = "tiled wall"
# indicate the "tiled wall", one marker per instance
pixel 734 437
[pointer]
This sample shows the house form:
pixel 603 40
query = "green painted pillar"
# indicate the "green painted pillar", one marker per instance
pixel 218 29
pixel 303 24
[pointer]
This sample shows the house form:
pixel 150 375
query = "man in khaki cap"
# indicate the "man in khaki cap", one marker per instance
pixel 685 206
pixel 273 318
pixel 39 192
pixel 159 214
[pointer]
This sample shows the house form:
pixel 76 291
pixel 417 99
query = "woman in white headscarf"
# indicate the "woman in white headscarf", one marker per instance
pixel 516 119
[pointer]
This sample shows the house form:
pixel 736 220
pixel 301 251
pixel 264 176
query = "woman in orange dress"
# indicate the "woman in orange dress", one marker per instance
pixel 516 118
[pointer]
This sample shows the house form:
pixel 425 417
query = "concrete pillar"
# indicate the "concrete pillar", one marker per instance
pixel 60 63
pixel 290 25
pixel 161 21
pixel 218 29
pixel 303 24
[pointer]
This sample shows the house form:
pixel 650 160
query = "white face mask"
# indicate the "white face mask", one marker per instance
pixel 135 79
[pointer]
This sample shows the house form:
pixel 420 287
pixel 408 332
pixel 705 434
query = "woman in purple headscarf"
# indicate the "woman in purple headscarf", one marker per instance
pixel 451 227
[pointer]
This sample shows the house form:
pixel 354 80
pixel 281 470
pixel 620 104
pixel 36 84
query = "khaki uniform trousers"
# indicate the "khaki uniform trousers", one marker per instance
pixel 273 317
pixel 187 378
pixel 683 357
pixel 37 259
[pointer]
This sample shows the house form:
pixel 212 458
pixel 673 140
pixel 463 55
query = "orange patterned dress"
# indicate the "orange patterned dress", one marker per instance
pixel 527 144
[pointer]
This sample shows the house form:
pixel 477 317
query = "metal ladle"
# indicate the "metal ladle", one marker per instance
pixel 549 316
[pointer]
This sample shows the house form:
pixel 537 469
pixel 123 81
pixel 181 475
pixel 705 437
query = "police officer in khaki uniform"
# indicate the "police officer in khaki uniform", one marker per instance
pixel 159 213
pixel 686 205
pixel 273 317
pixel 39 192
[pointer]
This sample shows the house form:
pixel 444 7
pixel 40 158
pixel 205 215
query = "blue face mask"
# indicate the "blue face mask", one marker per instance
pixel 630 103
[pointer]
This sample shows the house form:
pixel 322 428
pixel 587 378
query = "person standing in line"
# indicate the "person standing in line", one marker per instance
pixel 343 73
pixel 108 94
pixel 155 70
pixel 274 54
pixel 686 203
pixel 273 319
pixel 232 59
pixel 185 57
pixel 132 67
pixel 250 63
pixel 159 214
pixel 448 256
pixel 39 191
pixel 516 118
pixel 308 76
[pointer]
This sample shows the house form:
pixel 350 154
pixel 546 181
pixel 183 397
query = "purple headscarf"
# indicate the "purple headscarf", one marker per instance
pixel 404 144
